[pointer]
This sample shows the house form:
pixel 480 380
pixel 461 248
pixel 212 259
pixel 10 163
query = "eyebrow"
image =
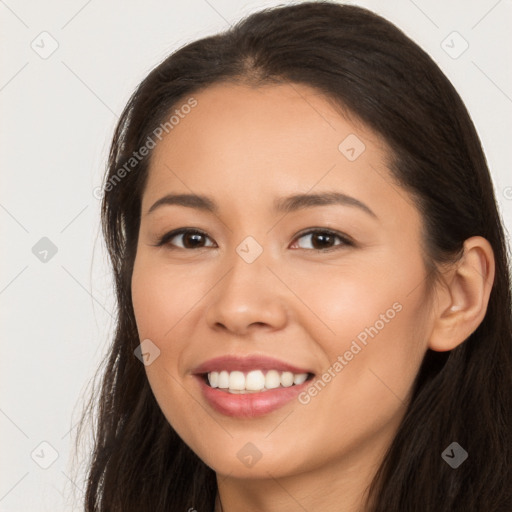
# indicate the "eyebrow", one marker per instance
pixel 285 204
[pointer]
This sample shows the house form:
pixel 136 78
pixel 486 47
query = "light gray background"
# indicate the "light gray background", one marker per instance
pixel 58 114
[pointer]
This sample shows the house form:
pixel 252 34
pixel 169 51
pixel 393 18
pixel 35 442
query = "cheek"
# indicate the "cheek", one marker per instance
pixel 163 295
pixel 347 299
pixel 164 301
pixel 372 362
pixel 373 316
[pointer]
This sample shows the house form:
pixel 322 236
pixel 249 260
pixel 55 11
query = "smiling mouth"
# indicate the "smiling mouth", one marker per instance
pixel 255 381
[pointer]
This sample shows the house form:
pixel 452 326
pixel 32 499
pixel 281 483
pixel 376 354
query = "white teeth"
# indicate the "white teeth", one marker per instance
pixel 237 381
pixel 213 379
pixel 300 378
pixel 272 379
pixel 287 379
pixel 224 380
pixel 255 380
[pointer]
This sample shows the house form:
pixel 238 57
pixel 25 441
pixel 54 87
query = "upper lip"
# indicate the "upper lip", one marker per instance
pixel 245 364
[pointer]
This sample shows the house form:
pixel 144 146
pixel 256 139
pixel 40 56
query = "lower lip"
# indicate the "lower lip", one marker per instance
pixel 249 405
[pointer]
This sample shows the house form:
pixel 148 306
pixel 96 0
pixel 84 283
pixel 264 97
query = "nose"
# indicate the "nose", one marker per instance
pixel 248 297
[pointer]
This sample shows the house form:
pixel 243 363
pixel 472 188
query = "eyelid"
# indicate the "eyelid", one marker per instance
pixel 347 241
pixel 329 231
pixel 180 231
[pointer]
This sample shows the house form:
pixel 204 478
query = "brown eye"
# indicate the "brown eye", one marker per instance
pixel 321 240
pixel 187 239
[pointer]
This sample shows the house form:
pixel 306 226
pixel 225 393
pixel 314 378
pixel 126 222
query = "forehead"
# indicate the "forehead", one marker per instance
pixel 286 117
pixel 250 143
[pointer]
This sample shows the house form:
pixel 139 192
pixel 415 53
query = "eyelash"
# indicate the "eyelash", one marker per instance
pixel 164 240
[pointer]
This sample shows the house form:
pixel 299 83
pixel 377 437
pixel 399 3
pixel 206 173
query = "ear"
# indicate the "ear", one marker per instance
pixel 463 296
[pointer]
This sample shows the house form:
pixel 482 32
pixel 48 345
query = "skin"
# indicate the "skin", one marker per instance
pixel 244 147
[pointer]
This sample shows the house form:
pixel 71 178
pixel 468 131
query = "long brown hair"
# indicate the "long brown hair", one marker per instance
pixel 369 68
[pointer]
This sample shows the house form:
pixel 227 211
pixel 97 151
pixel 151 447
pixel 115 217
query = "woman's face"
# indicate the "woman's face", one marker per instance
pixel 327 285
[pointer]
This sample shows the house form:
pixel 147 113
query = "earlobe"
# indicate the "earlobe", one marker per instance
pixel 463 296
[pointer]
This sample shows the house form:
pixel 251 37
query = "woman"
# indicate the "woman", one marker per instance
pixel 312 281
